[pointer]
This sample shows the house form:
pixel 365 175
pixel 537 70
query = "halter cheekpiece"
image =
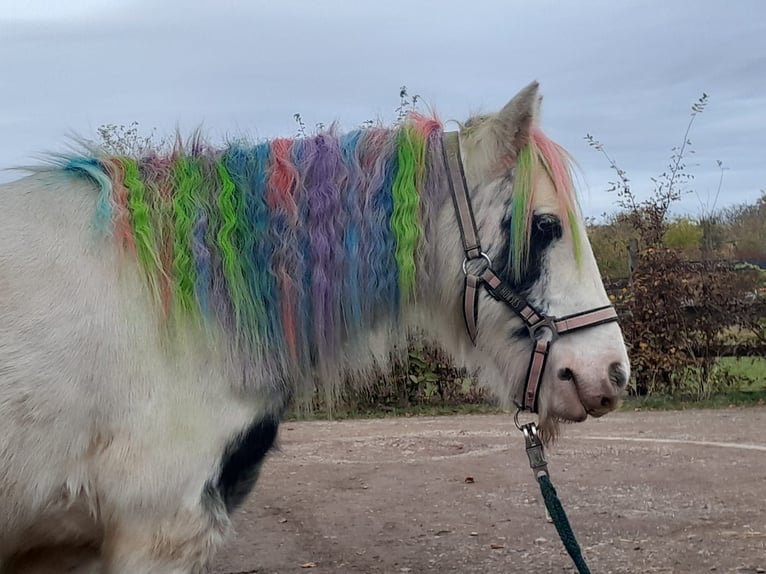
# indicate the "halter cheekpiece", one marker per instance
pixel 477 267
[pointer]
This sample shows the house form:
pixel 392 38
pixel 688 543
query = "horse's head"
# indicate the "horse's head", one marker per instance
pixel 529 225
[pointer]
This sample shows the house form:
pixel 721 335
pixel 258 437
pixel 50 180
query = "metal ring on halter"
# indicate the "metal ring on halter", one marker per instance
pixel 519 426
pixel 482 255
pixel 547 322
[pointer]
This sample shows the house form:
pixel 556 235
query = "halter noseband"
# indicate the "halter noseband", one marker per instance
pixel 543 329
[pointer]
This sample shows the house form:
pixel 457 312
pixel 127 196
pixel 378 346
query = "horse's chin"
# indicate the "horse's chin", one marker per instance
pixel 571 410
pixel 562 412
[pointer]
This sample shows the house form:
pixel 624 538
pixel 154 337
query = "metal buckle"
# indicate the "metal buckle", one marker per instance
pixel 519 410
pixel 547 322
pixel 535 452
pixel 482 255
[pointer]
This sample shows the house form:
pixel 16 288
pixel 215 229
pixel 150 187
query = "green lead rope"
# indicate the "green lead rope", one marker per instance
pixel 539 466
pixel 561 522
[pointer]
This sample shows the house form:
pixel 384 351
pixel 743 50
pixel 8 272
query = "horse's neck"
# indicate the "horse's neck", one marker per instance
pixel 437 305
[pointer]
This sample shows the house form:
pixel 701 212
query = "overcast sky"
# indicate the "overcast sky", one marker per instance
pixel 626 72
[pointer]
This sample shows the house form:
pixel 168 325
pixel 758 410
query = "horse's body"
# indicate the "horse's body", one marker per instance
pixel 128 433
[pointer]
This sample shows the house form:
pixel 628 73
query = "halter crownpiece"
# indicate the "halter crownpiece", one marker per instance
pixel 543 329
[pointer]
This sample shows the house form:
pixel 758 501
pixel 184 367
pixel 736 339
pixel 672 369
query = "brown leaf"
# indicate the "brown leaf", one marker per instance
pixel 309 565
pixel 469 480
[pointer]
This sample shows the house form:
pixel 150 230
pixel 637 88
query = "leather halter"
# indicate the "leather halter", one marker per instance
pixel 543 329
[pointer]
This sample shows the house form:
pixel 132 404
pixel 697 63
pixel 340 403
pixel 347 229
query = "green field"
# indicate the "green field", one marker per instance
pixel 747 387
pixel 751 368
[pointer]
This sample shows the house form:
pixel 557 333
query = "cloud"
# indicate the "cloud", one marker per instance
pixel 625 72
pixel 55 10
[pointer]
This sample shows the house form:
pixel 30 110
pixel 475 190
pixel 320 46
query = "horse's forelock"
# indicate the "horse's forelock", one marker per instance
pixel 558 164
pixel 520 170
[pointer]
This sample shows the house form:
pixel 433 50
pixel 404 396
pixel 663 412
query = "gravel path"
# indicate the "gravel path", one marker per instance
pixel 645 492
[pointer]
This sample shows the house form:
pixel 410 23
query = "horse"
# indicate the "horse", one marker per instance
pixel 160 311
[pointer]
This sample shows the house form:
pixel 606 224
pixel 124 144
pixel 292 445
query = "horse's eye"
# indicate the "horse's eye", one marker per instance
pixel 549 225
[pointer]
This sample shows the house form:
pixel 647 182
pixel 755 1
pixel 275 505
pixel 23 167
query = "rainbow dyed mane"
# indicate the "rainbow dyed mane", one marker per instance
pixel 294 245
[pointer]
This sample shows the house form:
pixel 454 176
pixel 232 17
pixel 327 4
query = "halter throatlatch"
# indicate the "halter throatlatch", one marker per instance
pixel 477 267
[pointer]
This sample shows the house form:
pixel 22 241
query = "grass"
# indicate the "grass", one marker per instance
pixel 392 412
pixel 656 402
pixel 750 390
pixel 670 403
pixel 751 368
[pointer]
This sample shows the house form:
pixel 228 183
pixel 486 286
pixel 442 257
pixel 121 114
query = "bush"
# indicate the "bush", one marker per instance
pixel 424 376
pixel 675 313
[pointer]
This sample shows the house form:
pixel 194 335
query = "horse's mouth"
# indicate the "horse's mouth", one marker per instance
pixel 581 413
pixel 571 405
pixel 579 419
pixel 571 415
pixel 607 407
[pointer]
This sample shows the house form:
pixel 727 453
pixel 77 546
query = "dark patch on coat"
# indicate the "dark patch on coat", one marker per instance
pixel 545 230
pixel 241 463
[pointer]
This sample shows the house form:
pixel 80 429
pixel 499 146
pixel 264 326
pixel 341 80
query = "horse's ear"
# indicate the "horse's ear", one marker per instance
pixel 512 124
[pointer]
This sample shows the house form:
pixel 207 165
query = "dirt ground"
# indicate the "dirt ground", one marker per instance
pixel 645 492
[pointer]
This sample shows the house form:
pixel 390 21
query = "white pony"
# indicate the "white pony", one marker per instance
pixel 158 313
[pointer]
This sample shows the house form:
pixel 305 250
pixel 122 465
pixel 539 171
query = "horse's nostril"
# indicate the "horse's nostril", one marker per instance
pixel 606 402
pixel 617 375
